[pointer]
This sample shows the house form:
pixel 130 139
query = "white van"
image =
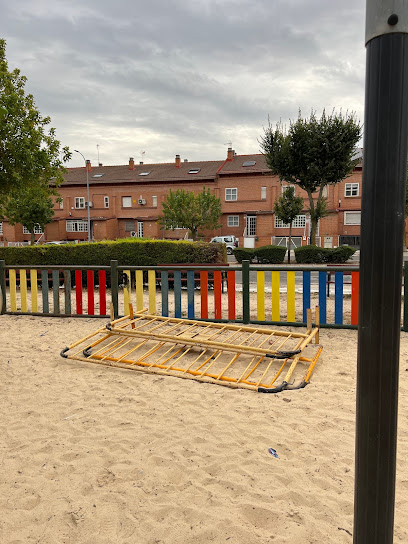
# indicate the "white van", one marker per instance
pixel 230 241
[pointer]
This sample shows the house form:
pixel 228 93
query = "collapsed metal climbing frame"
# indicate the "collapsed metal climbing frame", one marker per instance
pixel 257 358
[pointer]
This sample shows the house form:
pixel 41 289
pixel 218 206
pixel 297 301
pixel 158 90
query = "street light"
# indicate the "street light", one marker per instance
pixel 87 195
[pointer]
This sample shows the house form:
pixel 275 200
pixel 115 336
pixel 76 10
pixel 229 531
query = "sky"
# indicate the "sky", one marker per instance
pixel 152 79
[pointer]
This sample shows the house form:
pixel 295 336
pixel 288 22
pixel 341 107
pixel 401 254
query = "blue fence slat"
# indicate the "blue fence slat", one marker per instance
pixel 322 296
pixel 190 294
pixel 165 292
pixel 306 294
pixel 55 291
pixel 44 289
pixel 177 293
pixel 338 298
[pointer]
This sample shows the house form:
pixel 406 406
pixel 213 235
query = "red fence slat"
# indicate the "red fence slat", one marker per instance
pixel 204 294
pixel 231 294
pixel 354 297
pixel 102 292
pixel 217 295
pixel 78 291
pixel 90 291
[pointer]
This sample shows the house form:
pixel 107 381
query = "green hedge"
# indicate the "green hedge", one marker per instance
pixel 128 252
pixel 263 254
pixel 323 255
pixel 244 254
pixel 270 254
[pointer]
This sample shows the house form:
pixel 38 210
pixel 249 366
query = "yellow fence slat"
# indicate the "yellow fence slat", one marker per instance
pixel 290 283
pixel 139 290
pixel 260 295
pixel 13 291
pixel 127 290
pixel 275 297
pixel 34 291
pixel 23 289
pixel 152 291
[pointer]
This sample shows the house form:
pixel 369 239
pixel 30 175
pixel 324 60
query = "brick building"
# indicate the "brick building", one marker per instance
pixel 127 200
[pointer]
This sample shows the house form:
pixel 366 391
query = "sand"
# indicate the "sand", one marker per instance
pixel 92 454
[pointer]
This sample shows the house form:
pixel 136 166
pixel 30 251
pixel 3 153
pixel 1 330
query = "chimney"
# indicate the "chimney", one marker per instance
pixel 88 165
pixel 131 163
pixel 185 160
pixel 178 161
pixel 230 154
pixel 141 162
pixel 100 164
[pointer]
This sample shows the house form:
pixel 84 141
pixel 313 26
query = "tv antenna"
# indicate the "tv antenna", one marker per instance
pixel 229 144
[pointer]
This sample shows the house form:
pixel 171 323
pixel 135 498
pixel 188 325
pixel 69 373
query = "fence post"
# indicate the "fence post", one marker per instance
pixel 405 321
pixel 245 293
pixel 114 287
pixel 3 286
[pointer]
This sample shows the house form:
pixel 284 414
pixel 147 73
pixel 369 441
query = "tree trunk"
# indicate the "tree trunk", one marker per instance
pixel 290 241
pixel 313 220
pixel 32 236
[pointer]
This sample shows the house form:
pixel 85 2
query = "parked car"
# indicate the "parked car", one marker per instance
pixel 230 241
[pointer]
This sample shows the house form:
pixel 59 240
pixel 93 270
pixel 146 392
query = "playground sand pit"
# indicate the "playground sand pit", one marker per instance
pixel 100 454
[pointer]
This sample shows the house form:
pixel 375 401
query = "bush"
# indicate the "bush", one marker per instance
pixel 128 252
pixel 323 255
pixel 340 254
pixel 270 254
pixel 244 254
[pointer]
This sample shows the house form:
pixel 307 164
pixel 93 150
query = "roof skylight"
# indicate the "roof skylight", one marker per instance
pixel 98 175
pixel 249 163
pixel 194 170
pixel 144 173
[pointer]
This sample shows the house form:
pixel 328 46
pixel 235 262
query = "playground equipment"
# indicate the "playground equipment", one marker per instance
pixel 262 359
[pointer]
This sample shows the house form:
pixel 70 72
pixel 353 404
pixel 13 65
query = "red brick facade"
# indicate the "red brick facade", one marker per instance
pixel 127 200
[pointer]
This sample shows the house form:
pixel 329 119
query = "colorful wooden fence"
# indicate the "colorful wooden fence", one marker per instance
pixel 242 294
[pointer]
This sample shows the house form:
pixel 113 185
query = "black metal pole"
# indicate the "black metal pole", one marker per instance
pixel 383 207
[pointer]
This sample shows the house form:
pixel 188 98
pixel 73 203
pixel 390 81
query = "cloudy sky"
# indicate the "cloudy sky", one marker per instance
pixel 186 77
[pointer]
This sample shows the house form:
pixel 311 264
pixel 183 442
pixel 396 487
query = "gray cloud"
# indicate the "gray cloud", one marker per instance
pixel 169 76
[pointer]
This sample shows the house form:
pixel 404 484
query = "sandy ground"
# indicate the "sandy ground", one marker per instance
pixel 92 454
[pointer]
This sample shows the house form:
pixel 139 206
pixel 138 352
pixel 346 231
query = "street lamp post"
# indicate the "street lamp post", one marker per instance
pixel 87 195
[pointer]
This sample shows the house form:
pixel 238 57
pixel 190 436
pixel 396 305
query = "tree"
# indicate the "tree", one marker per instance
pixel 29 153
pixel 286 208
pixel 312 154
pixel 184 209
pixel 32 206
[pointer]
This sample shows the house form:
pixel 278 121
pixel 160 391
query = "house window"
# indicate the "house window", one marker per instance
pixel 298 223
pixel 352 218
pixel 154 201
pixel 79 202
pixel 140 229
pixel 351 189
pixel 106 202
pixel 263 193
pixel 74 225
pixel 325 192
pixel 61 204
pixel 129 226
pixel 233 221
pixel 251 225
pixel 126 201
pixel 231 194
pixel 37 230
pixel 285 187
pixel 1 228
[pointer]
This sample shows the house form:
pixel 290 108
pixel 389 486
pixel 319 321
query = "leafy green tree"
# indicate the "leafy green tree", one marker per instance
pixel 184 209
pixel 29 151
pixel 286 208
pixel 312 154
pixel 31 206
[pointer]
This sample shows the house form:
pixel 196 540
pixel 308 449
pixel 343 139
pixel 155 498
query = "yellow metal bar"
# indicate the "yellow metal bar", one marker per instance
pixel 13 291
pixel 290 294
pixel 260 295
pixel 139 290
pixel 34 291
pixel 127 289
pixel 152 291
pixel 23 289
pixel 275 296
